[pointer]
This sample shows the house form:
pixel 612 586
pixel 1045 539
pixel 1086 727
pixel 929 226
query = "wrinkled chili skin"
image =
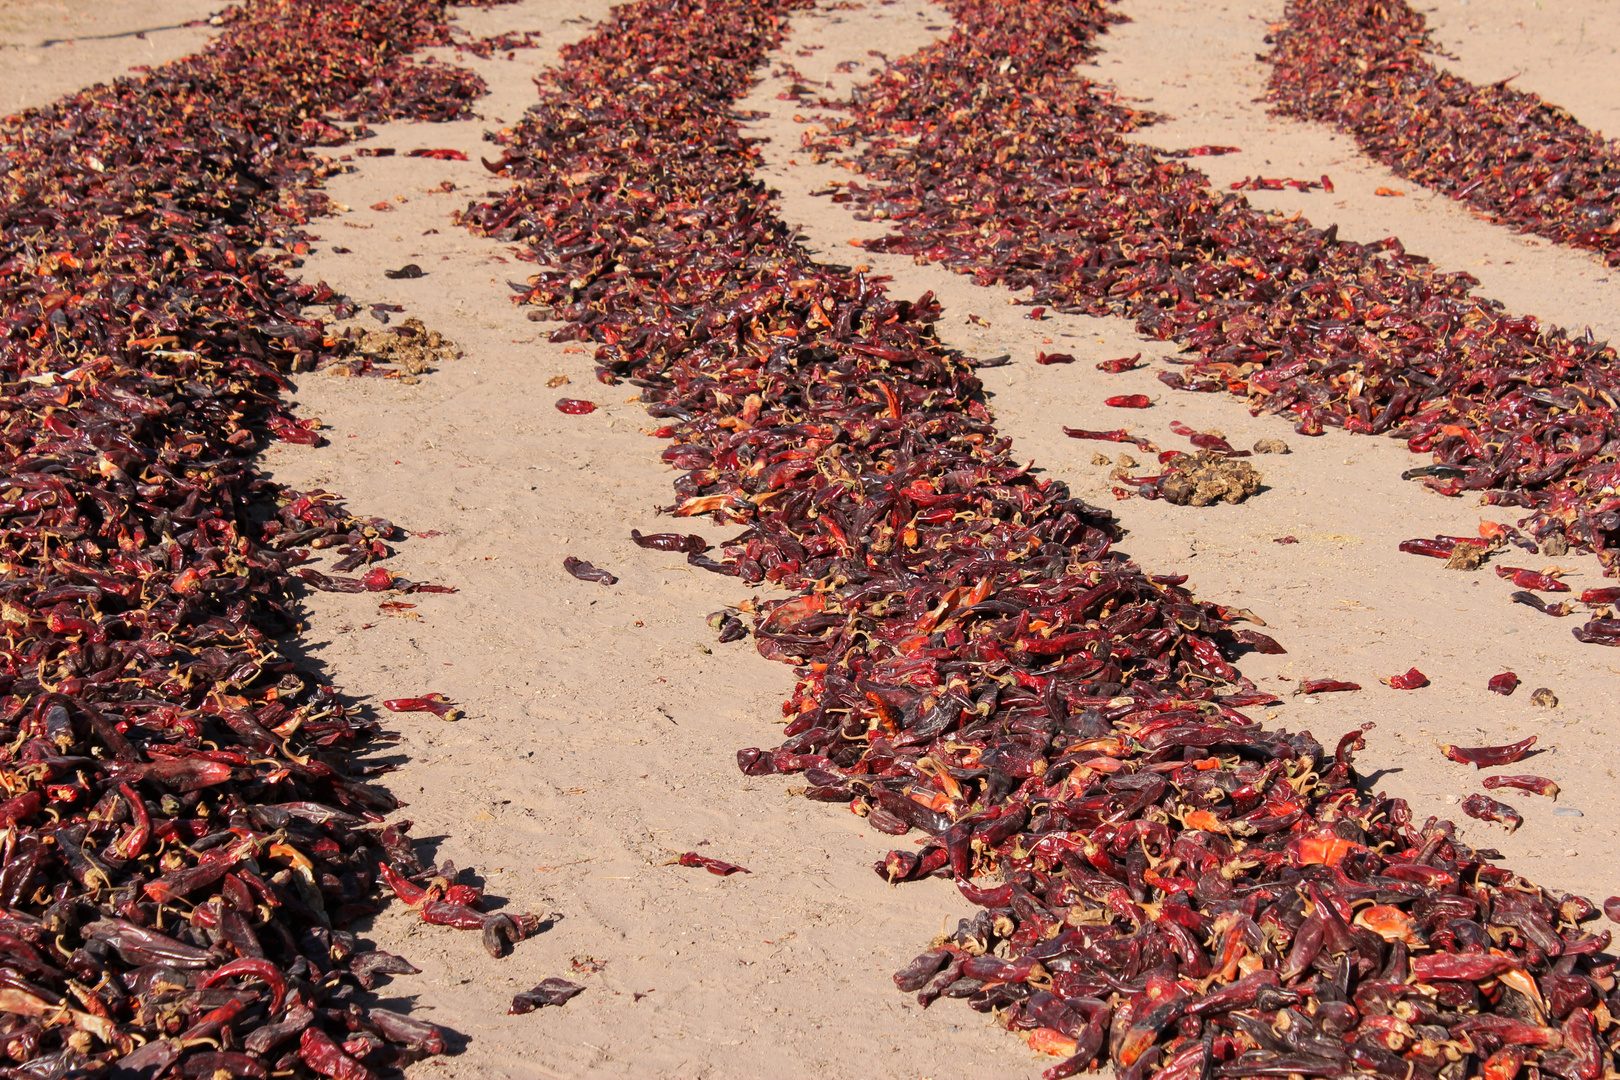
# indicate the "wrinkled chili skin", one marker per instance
pixel 1411 679
pixel 1486 808
pixel 586 572
pixel 1483 757
pixel 1536 785
pixel 973 660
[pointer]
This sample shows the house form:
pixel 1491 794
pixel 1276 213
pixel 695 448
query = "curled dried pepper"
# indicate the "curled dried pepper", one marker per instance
pixel 1503 684
pixel 1412 679
pixel 1481 757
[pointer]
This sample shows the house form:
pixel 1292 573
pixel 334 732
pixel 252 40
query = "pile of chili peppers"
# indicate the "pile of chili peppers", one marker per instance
pixel 994 158
pixel 1163 883
pixel 187 826
pixel 1361 65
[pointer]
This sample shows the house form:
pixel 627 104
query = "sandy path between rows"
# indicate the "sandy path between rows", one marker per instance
pixel 49 48
pixel 602 721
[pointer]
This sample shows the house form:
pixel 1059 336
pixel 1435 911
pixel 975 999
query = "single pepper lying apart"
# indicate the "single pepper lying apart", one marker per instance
pixel 1163 884
pixel 191 824
pixel 1290 316
pixel 1482 757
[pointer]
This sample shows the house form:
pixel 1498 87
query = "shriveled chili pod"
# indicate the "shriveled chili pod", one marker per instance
pixel 1485 756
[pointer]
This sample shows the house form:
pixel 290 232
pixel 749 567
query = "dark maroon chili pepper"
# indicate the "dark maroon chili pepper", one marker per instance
pixel 1111 436
pixel 1531 579
pixel 575 406
pixel 1611 908
pixel 1436 549
pixel 586 572
pixel 1122 364
pixel 1536 785
pixel 1486 808
pixel 670 541
pixel 1129 401
pixel 437 704
pixel 1412 679
pixel 1503 684
pixel 713 866
pixel 1599 632
pixel 1481 757
pixel 1053 358
pixel 550 992
pixel 1325 686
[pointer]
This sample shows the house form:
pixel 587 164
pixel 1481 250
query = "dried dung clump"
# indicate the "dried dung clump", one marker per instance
pixel 1467 556
pixel 1207 478
pixel 1271 446
pixel 412 348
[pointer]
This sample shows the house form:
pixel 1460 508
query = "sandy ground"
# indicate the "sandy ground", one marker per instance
pixel 1564 52
pixel 602 720
pixel 49 48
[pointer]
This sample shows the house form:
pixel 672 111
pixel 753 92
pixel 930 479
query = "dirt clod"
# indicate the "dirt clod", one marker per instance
pixel 1208 478
pixel 1544 698
pixel 1271 446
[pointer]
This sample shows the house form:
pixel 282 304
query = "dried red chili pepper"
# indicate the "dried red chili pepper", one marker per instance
pixel 575 406
pixel 1481 757
pixel 550 992
pixel 437 704
pixel 1503 684
pixel 586 572
pixel 713 866
pixel 1435 549
pixel 1325 686
pixel 1486 808
pixel 1112 436
pixel 1412 679
pixel 1536 785
pixel 1531 579
pixel 1129 401
pixel 1122 364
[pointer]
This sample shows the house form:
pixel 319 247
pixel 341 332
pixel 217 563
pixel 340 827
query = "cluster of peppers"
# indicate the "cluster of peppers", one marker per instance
pixel 990 155
pixel 1363 65
pixel 187 824
pixel 1163 883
